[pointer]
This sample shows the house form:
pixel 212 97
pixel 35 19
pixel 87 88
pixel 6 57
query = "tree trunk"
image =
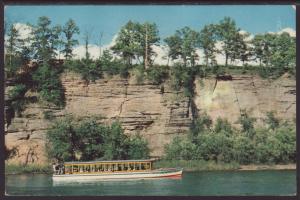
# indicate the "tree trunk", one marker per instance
pixel 146 49
pixel 226 59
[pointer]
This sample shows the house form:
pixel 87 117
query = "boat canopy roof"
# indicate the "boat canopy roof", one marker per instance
pixel 107 161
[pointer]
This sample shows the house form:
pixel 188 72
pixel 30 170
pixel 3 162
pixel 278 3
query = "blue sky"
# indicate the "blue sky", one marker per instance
pixel 109 19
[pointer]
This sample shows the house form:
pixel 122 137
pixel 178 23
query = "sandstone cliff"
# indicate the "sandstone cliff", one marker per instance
pixel 143 109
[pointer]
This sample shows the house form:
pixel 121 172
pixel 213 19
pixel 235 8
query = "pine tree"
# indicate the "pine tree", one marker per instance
pixel 69 30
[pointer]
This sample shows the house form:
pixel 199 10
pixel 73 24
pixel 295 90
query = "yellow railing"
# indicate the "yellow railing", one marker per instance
pixel 107 167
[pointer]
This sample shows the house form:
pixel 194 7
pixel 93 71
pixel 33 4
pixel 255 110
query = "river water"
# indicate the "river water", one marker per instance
pixel 267 182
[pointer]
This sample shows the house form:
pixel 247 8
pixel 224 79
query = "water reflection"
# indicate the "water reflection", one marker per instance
pixel 191 184
pixel 107 181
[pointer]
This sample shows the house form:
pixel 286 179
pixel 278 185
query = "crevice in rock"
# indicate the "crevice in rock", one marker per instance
pixel 237 100
pixel 122 104
pixel 289 107
pixel 27 137
pixel 31 156
pixel 216 82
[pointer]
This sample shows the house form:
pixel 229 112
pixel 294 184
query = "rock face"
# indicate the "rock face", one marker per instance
pixel 227 98
pixel 145 110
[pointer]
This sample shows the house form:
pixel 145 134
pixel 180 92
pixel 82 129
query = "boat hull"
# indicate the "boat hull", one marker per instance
pixel 168 173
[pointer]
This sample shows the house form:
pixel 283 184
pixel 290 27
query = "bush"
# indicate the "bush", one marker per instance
pixel 18 100
pixel 271 72
pixel 138 148
pixel 18 92
pixel 223 126
pixel 215 146
pixel 182 77
pixel 74 139
pixel 157 74
pixel 29 168
pixel 243 150
pixel 48 115
pixel 218 70
pixel 226 144
pixel 271 120
pixel 181 149
pixel 247 123
pixel 48 85
pixel 200 124
pixel 139 74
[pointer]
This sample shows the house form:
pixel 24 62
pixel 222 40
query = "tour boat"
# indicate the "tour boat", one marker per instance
pixel 117 169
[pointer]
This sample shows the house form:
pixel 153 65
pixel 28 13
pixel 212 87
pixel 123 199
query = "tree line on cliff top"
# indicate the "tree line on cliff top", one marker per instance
pixel 276 53
pixel 135 42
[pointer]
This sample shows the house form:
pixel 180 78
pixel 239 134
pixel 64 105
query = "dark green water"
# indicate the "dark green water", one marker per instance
pixel 192 183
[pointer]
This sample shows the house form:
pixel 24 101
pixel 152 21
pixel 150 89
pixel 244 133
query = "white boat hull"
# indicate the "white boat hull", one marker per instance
pixel 118 175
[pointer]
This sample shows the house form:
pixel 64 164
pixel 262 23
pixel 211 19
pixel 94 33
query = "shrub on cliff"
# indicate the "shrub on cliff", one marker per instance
pixel 48 84
pixel 157 74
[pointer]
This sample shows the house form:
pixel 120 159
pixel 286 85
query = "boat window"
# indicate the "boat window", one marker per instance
pixel 75 168
pixel 115 167
pixel 131 166
pixel 87 168
pixel 109 167
pixel 120 167
pixel 143 166
pixel 138 166
pixel 67 169
pixel 147 166
pixel 125 167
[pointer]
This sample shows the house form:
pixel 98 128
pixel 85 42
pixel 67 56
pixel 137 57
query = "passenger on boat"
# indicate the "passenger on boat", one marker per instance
pixel 57 169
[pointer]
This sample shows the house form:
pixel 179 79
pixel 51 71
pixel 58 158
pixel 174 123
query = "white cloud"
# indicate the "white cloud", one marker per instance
pixel 25 31
pixel 288 30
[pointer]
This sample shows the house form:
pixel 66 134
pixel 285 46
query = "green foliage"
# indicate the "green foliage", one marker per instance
pixel 12 46
pixel 201 124
pixel 48 114
pixel 157 74
pixel 244 150
pixel 271 72
pixel 69 30
pixel 218 70
pixel 139 73
pixel 48 84
pixel 223 126
pixel 214 146
pixel 89 70
pixel 74 139
pixel 227 32
pixel 196 165
pixel 29 168
pixel 182 78
pixel 116 144
pixel 18 100
pixel 17 92
pixel 247 123
pixel 226 144
pixel 272 121
pixel 181 149
pixel 138 148
pixel 207 40
pixel 135 40
pixel 46 39
pixel 277 52
pixel 183 45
